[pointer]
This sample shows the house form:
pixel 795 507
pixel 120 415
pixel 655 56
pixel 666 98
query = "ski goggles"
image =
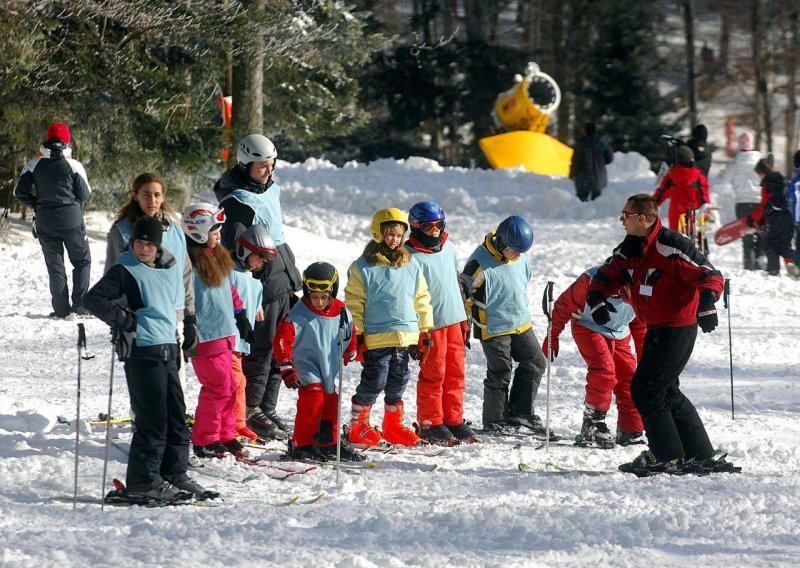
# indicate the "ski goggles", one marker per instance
pixel 268 254
pixel 320 285
pixel 430 226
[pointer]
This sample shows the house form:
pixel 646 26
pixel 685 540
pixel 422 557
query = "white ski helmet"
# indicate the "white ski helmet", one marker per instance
pixel 255 148
pixel 200 219
pixel 256 239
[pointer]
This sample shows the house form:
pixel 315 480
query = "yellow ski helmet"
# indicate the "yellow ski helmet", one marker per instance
pixel 390 215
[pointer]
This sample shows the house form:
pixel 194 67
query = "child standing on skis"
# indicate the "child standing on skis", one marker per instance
pixel 307 347
pixel 220 317
pixel 607 352
pixel 139 297
pixel 391 306
pixel 440 390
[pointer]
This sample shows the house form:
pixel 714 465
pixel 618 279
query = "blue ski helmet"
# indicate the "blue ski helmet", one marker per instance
pixel 515 233
pixel 425 212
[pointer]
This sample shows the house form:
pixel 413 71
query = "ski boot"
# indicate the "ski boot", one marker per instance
pixel 259 423
pixel 278 421
pixel 361 434
pixel 186 483
pixel 594 432
pixel 439 435
pixel 464 433
pixel 531 424
pixel 624 438
pixel 212 450
pixel 308 452
pixel 235 447
pixel 394 431
pixel 646 464
pixel 347 453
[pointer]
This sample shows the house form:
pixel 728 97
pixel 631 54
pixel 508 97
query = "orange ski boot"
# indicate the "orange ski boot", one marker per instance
pixel 394 431
pixel 362 434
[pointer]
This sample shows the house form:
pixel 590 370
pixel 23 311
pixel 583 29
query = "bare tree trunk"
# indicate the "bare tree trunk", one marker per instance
pixel 533 27
pixel 724 38
pixel 248 84
pixel 791 83
pixel 762 102
pixel 475 20
pixel 691 95
pixel 448 17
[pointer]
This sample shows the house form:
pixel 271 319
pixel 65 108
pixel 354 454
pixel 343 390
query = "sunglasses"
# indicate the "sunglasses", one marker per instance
pixel 625 215
pixel 430 226
pixel 319 285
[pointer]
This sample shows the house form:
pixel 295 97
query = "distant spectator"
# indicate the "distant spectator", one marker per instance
pixel 54 186
pixel 684 185
pixel 773 218
pixel 699 145
pixel 741 175
pixel 794 200
pixel 588 169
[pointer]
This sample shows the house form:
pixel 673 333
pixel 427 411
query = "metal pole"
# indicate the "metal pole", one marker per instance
pixel 547 308
pixel 342 324
pixel 726 295
pixel 81 346
pixel 108 423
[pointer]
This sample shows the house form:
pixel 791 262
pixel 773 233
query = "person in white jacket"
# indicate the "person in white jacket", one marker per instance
pixel 746 186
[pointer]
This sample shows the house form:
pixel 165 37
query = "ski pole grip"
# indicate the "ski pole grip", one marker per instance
pixel 81 336
pixel 726 292
pixel 547 299
pixel 343 317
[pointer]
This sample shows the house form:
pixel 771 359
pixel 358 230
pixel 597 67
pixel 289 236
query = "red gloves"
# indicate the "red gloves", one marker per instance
pixel 289 375
pixel 420 351
pixel 554 346
pixel 466 333
pixel 361 348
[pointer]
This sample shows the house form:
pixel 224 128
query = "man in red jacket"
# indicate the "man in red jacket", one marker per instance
pixel 673 290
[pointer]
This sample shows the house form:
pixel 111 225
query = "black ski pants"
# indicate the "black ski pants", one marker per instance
pixel 778 240
pixel 752 246
pixel 673 427
pixel 260 367
pixel 501 352
pixel 160 445
pixel 53 242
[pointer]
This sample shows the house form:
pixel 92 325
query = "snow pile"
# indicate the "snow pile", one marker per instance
pixel 476 509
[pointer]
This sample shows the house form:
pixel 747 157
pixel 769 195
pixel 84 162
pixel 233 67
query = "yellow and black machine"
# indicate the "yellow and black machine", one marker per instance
pixel 523 112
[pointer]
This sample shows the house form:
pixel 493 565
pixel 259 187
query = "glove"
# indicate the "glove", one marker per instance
pixel 466 333
pixel 189 335
pixel 601 309
pixel 350 355
pixel 244 327
pixel 289 375
pixel 750 221
pixel 420 351
pixel 361 348
pixel 554 348
pixel 706 312
pixel 125 320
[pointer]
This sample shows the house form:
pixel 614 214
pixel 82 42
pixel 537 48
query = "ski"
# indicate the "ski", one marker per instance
pixel 701 469
pixel 331 463
pixel 219 471
pixel 296 500
pixel 555 469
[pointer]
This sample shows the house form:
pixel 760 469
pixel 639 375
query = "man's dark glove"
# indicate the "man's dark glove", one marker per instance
pixel 601 309
pixel 189 334
pixel 244 327
pixel 706 312
pixel 289 375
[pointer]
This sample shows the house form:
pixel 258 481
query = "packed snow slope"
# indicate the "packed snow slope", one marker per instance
pixel 476 509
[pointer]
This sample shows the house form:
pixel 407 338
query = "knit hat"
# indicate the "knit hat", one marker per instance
pixel 700 132
pixel 58 130
pixel 745 142
pixel 148 229
pixel 685 155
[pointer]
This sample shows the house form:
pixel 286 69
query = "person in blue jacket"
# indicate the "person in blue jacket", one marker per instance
pixel 495 282
pixel 793 191
pixel 138 297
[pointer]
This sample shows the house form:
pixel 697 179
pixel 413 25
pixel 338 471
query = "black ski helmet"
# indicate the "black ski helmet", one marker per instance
pixel 320 277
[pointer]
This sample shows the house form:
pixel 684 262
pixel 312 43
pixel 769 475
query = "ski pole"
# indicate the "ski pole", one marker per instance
pixel 81 351
pixel 108 421
pixel 726 299
pixel 342 324
pixel 547 308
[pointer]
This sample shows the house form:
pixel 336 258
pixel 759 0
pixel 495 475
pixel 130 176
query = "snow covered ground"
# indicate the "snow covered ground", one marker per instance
pixel 476 509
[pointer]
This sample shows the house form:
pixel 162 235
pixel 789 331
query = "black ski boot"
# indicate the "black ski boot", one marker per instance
pixel 439 435
pixel 259 423
pixel 278 421
pixel 213 450
pixel 347 453
pixel 464 433
pixel 532 424
pixel 629 438
pixel 235 447
pixel 185 483
pixel 646 465
pixel 594 432
pixel 308 452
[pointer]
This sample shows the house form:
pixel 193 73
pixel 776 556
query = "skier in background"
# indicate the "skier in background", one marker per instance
pixel 684 185
pixel 588 168
pixel 740 173
pixel 250 196
pixel 55 187
pixel 607 352
pixel 673 290
pixel 698 143
pixel 794 201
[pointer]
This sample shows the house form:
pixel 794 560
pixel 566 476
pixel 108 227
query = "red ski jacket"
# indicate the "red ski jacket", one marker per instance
pixel 665 281
pixel 686 188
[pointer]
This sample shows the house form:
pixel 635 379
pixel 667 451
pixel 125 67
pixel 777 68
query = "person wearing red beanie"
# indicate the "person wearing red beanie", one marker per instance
pixel 58 130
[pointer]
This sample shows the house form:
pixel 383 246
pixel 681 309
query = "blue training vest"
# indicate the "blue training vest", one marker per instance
pixel 267 209
pixel 162 294
pixel 441 273
pixel 214 309
pixel 617 327
pixel 390 293
pixel 173 240
pixel 506 291
pixel 251 292
pixel 316 345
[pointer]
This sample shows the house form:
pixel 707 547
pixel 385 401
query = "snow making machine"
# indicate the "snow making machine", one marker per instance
pixel 523 112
